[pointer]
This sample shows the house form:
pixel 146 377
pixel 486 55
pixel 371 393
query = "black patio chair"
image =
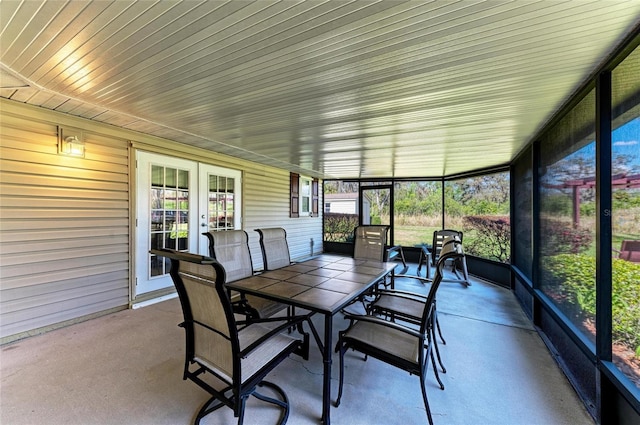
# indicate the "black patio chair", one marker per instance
pixel 218 351
pixel 399 345
pixel 439 237
pixel 370 243
pixel 274 247
pixel 459 265
pixel 408 306
pixel 231 249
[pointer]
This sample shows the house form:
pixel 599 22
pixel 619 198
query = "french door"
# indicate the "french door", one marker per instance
pixel 178 200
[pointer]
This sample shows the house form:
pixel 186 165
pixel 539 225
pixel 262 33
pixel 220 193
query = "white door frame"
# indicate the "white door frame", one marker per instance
pixel 198 215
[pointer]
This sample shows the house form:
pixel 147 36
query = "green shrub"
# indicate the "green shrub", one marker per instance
pixel 492 237
pixel 562 237
pixel 588 209
pixel 339 227
pixel 574 277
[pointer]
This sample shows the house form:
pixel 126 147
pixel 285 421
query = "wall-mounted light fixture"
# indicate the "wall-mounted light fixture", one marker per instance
pixel 70 142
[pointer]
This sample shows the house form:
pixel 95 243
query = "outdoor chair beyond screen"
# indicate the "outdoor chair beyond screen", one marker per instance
pixel 275 249
pixel 438 240
pixel 457 266
pixel 404 347
pixel 228 361
pixel 231 249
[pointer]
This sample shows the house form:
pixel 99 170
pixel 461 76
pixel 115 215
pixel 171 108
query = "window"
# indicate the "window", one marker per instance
pixel 303 194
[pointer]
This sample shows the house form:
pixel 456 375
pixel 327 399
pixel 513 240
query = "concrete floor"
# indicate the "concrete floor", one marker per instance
pixel 126 368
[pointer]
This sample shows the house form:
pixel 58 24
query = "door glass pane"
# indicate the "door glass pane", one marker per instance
pixel 183 179
pixel 221 202
pixel 169 209
pixel 157 176
pixel 171 175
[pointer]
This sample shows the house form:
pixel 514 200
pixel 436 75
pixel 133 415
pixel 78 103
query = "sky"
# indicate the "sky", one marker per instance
pixel 626 140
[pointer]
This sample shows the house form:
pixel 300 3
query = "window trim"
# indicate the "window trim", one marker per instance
pixel 295 196
pixel 304 181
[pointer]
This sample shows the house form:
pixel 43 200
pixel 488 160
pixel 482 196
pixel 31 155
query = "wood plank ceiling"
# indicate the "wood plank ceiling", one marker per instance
pixel 330 89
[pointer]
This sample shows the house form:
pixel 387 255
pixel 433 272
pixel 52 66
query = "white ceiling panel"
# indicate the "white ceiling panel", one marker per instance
pixel 333 89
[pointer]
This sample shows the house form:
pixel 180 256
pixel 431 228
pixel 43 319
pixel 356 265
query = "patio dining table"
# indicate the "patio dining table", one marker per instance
pixel 324 284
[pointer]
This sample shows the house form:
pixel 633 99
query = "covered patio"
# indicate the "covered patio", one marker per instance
pixel 127 368
pixel 249 108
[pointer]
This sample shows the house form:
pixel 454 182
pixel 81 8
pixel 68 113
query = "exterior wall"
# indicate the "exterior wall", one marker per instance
pixel 66 228
pixel 266 204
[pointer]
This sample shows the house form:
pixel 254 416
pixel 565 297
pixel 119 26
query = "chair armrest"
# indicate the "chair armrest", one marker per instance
pixel 242 307
pixel 396 251
pixel 384 323
pixel 288 322
pixel 402 294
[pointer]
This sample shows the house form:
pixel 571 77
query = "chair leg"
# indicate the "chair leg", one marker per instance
pixel 444 369
pixel 424 397
pixel 435 370
pixel 437 350
pixel 436 324
pixel 440 331
pixel 341 350
pixel 284 403
pixel 211 405
pixel 243 403
pixel 214 404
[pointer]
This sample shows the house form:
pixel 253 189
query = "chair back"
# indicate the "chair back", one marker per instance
pixel 370 242
pixel 438 240
pixel 274 246
pixel 231 249
pixel 211 336
pixel 451 250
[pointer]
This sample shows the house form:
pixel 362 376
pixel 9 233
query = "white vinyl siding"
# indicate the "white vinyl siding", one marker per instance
pixel 266 204
pixel 64 233
pixel 66 223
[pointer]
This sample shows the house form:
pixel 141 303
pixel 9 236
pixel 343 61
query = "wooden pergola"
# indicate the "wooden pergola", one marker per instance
pixel 618 181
